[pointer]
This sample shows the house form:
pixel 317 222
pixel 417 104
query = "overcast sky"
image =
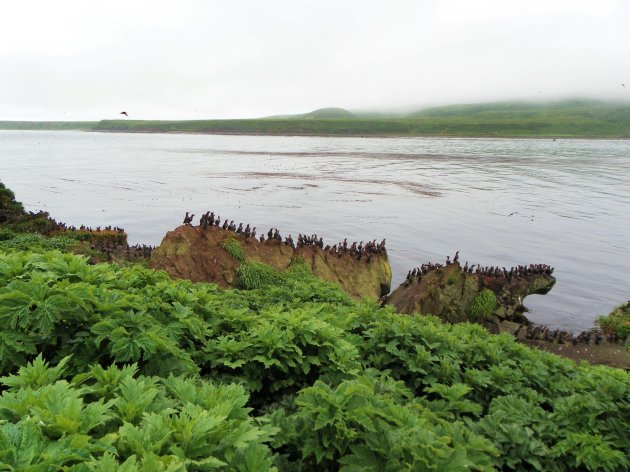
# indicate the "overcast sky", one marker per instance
pixel 186 59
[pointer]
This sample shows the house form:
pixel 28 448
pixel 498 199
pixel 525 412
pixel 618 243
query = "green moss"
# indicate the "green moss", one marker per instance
pixel 483 305
pixel 253 275
pixel 233 248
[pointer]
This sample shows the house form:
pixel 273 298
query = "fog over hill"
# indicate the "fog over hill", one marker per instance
pixel 565 118
pixel 200 60
pixel 606 109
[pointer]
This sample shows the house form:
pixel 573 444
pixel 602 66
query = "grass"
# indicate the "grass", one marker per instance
pixel 573 118
pixel 234 249
pixel 483 305
pixel 48 125
pixel 254 275
pixel 567 118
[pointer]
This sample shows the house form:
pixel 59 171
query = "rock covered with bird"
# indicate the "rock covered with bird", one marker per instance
pixel 196 252
pixel 450 290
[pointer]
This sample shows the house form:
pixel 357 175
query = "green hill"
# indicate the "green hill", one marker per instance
pixel 320 113
pixel 578 118
pixel 525 110
pixel 329 113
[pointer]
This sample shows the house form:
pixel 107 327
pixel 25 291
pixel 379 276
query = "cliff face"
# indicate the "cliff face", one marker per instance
pixel 196 254
pixel 450 293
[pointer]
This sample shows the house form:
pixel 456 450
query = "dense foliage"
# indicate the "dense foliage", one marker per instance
pixel 617 322
pixel 110 368
pixel 11 241
pixel 14 219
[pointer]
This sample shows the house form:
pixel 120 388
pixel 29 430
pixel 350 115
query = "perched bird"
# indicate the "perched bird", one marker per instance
pixel 124 113
pixel 188 219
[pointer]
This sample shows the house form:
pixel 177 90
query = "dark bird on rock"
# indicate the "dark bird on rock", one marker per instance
pixel 188 219
pixel 124 113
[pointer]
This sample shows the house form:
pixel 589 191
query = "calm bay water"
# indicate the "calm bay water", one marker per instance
pixel 498 201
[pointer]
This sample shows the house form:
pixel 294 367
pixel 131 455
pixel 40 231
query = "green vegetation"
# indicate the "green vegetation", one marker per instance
pixel 252 275
pixel 327 113
pixel 568 118
pixel 34 242
pixel 122 368
pixel 113 419
pixel 572 118
pixel 233 247
pixel 483 305
pixel 617 322
pixel 149 373
pixel 48 125
pixel 14 219
pixel 10 209
pixel 21 230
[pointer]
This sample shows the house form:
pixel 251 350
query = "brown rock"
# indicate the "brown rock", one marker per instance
pixel 196 254
pixel 448 292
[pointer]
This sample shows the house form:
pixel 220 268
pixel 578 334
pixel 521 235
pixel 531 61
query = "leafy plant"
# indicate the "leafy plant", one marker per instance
pixel 180 423
pixel 372 423
pixel 149 373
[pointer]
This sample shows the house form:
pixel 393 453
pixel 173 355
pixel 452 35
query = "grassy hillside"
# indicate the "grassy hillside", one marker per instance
pixel 329 113
pixel 572 118
pixel 320 113
pixel 568 118
pixel 48 125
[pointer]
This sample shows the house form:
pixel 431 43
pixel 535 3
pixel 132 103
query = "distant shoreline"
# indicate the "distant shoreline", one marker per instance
pixel 329 135
pixel 305 135
pixel 569 119
pixel 319 135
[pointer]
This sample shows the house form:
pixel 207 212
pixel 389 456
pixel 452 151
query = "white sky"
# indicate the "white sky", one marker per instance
pixel 187 59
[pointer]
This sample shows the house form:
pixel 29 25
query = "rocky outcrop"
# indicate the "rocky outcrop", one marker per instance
pixel 197 254
pixel 455 295
pixel 594 346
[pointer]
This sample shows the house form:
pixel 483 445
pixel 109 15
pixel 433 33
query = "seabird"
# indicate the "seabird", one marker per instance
pixel 124 113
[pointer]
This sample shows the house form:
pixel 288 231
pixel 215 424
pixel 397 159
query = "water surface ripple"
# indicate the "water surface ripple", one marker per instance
pixel 499 201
